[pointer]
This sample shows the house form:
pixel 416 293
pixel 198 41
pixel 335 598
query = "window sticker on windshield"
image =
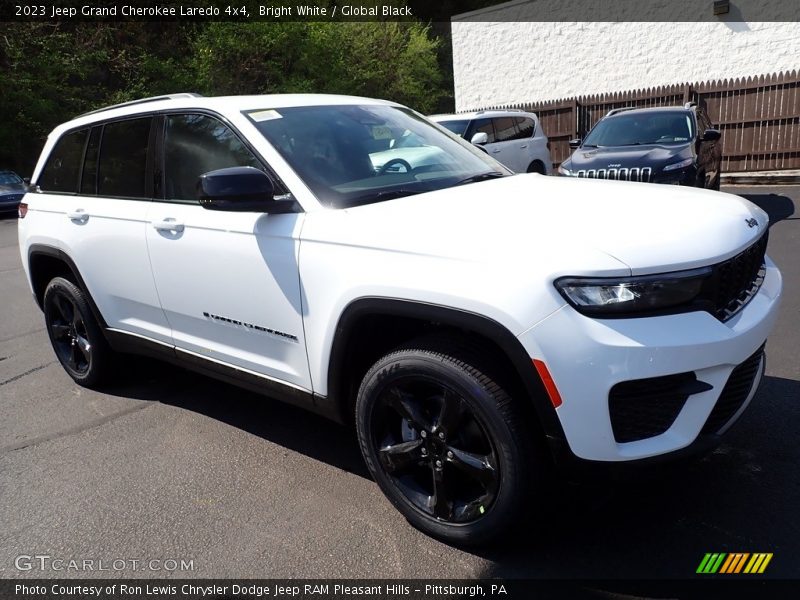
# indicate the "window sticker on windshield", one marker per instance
pixel 265 115
pixel 381 132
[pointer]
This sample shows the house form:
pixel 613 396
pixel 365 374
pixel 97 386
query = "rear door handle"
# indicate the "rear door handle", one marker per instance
pixel 79 215
pixel 168 224
pixel 496 150
pixel 524 146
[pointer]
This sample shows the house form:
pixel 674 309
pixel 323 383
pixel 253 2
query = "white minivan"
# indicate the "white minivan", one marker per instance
pixel 513 137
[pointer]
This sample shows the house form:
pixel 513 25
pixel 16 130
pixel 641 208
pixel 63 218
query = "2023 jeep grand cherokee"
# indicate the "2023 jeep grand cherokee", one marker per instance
pixel 474 325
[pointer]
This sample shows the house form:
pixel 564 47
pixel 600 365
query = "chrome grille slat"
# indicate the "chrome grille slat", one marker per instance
pixel 624 174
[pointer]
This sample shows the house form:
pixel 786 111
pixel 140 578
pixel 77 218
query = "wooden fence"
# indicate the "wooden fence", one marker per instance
pixel 759 117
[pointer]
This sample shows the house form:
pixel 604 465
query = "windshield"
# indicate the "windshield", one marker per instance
pixel 642 128
pixel 351 155
pixel 457 127
pixel 9 179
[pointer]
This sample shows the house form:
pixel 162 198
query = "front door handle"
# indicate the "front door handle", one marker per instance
pixel 496 151
pixel 168 224
pixel 79 215
pixel 524 146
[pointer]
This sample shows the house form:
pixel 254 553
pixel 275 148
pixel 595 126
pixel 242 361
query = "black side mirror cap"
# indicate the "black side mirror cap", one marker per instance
pixel 575 143
pixel 711 135
pixel 241 189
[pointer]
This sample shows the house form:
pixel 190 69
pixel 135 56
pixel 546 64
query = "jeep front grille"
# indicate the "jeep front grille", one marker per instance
pixel 635 174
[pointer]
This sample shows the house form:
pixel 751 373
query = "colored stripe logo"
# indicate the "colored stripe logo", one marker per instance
pixel 735 562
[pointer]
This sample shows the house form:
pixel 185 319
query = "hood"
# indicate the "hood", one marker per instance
pixel 646 155
pixel 560 224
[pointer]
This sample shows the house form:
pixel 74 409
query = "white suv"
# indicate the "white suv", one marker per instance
pixel 473 325
pixel 513 137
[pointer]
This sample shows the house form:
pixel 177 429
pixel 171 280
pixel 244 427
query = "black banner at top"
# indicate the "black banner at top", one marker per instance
pixel 401 10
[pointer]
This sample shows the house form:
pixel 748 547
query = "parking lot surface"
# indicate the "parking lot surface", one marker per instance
pixel 168 465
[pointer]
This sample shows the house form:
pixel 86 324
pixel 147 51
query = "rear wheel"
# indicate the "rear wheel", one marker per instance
pixel 74 333
pixel 537 167
pixel 445 443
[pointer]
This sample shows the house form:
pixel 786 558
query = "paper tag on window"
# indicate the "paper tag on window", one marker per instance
pixel 265 115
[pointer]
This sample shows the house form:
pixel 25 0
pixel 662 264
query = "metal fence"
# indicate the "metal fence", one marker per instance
pixel 759 117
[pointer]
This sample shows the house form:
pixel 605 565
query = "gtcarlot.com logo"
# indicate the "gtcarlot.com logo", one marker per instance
pixel 734 563
pixel 45 562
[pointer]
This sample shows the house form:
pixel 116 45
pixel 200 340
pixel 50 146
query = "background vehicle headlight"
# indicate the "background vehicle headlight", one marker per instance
pixel 679 165
pixel 564 171
pixel 633 296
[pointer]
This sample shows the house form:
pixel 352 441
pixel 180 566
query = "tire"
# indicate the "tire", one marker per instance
pixel 76 337
pixel 430 402
pixel 537 167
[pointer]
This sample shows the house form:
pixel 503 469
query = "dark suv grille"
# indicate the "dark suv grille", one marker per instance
pixel 735 392
pixel 635 174
pixel 644 408
pixel 734 282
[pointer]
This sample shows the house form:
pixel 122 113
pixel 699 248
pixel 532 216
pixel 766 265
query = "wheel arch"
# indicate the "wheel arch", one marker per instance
pixel 416 318
pixel 45 263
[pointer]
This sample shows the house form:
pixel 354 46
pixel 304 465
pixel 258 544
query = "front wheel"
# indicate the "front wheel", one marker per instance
pixel 74 333
pixel 445 443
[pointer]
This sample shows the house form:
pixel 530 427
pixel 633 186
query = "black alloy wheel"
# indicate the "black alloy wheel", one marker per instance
pixel 74 333
pixel 435 450
pixel 445 442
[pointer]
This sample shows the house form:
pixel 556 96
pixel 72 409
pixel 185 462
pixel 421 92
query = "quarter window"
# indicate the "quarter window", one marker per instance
pixel 197 144
pixel 123 158
pixel 526 127
pixel 63 167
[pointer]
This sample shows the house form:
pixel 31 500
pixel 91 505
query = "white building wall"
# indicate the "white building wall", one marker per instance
pixel 503 63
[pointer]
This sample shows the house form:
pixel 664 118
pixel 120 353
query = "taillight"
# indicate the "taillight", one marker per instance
pixel 23 210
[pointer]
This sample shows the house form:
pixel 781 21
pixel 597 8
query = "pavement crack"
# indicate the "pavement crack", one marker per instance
pixel 72 430
pixel 26 373
pixel 19 335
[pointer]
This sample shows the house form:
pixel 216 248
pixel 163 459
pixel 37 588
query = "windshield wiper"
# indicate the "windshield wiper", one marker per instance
pixel 482 177
pixel 385 195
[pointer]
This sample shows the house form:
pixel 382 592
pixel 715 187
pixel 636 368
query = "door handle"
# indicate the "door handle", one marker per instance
pixel 524 146
pixel 168 224
pixel 79 215
pixel 495 150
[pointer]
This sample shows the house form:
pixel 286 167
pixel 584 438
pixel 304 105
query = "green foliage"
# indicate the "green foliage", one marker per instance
pixel 51 72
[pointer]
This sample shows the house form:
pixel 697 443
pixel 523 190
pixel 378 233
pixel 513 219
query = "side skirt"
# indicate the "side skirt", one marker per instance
pixel 134 344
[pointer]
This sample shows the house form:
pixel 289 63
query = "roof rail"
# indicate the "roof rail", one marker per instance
pixel 143 101
pixel 614 111
pixel 498 110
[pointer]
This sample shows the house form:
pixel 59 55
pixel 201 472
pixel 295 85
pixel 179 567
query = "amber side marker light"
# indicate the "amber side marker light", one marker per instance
pixel 23 210
pixel 549 384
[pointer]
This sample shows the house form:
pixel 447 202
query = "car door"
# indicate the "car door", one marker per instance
pixel 228 281
pixel 506 147
pixel 96 190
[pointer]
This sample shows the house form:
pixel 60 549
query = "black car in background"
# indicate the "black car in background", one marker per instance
pixel 12 189
pixel 674 145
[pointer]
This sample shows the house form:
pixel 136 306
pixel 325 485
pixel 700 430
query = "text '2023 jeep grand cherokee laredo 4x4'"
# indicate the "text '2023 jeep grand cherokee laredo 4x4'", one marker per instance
pixel 472 324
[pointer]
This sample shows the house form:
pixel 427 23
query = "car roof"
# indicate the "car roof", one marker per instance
pixel 218 104
pixel 650 109
pixel 482 113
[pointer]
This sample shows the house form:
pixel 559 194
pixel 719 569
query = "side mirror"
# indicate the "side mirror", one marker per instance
pixel 711 135
pixel 480 138
pixel 575 143
pixel 239 189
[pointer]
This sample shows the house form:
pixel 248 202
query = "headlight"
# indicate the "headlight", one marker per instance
pixel 564 171
pixel 632 296
pixel 679 165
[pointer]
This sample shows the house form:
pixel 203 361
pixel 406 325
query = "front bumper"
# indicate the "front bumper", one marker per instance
pixel 588 357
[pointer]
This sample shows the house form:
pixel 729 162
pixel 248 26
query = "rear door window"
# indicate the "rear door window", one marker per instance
pixel 123 158
pixel 505 129
pixel 62 170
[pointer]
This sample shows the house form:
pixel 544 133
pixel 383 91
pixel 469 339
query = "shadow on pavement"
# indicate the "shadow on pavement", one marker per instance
pixel 777 206
pixel 293 428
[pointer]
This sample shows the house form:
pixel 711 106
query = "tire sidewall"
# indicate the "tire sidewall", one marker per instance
pixel 98 360
pixel 481 402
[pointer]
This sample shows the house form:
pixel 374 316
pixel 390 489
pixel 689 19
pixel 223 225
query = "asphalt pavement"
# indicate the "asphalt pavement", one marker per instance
pixel 166 465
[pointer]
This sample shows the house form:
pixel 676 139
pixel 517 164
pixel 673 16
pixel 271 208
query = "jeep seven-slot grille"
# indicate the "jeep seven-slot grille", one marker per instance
pixel 735 281
pixel 635 174
pixel 735 392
